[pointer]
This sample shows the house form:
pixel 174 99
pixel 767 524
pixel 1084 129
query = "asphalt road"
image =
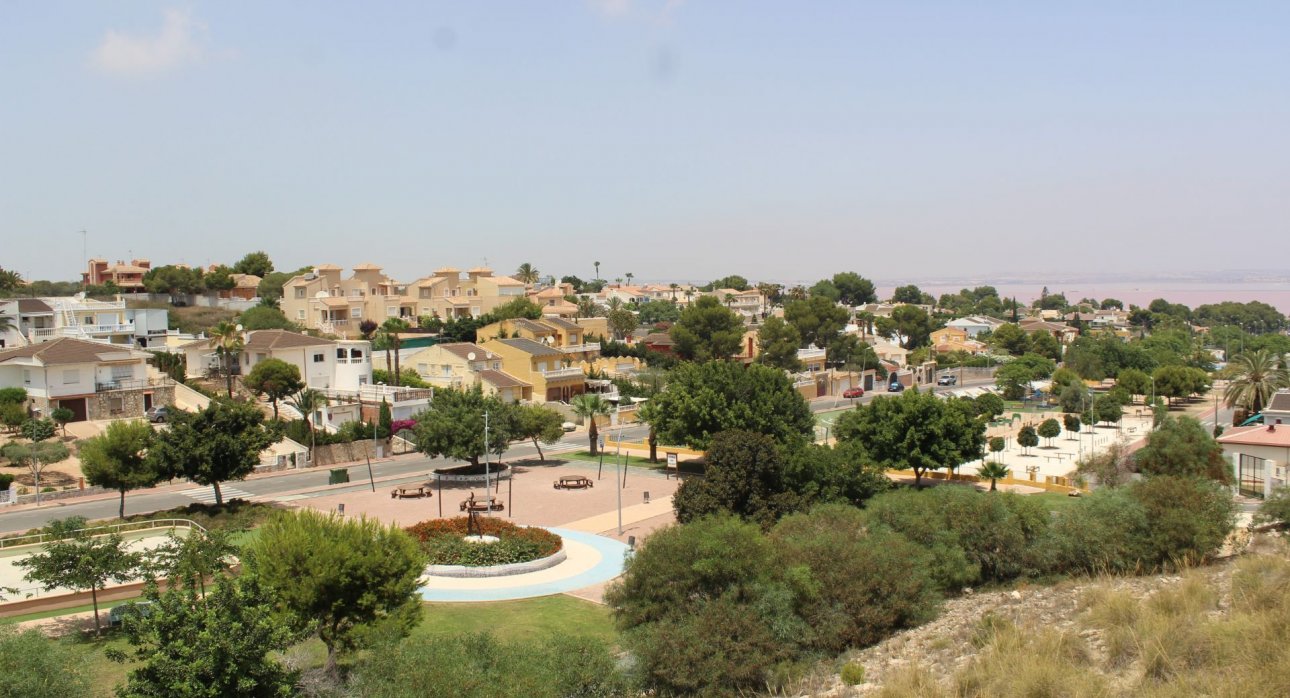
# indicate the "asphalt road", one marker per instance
pixel 146 501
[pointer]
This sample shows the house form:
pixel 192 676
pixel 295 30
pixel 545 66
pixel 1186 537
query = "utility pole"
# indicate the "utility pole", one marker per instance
pixel 487 481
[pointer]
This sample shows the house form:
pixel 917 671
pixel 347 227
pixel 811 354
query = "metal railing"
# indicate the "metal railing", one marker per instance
pixel 132 383
pixel 37 538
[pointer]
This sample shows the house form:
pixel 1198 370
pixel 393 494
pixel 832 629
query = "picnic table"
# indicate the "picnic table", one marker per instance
pixel 573 482
pixel 471 505
pixel 410 492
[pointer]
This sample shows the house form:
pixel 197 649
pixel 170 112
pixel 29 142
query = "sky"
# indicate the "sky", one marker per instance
pixel 673 139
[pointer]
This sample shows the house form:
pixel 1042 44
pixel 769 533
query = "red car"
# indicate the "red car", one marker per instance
pixel 853 393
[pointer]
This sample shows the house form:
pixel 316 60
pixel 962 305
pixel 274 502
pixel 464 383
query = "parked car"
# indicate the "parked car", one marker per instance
pixel 895 387
pixel 160 413
pixel 568 426
pixel 948 380
pixel 852 393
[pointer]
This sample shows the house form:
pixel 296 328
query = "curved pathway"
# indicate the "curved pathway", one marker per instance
pixel 591 560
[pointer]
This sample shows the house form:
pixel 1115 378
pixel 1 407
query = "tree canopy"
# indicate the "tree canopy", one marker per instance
pixel 453 426
pixel 274 379
pixel 118 459
pixel 704 399
pixel 707 330
pixel 219 443
pixel 916 431
pixel 1182 446
pixel 254 263
pixel 817 319
pixel 779 342
pixel 338 577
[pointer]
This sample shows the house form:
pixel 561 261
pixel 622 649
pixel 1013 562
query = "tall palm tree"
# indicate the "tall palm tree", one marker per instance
pixel 649 413
pixel 307 402
pixel 674 286
pixel 1258 375
pixel 390 330
pixel 588 406
pixel 597 270
pixel 689 293
pixel 7 323
pixel 995 471
pixel 588 308
pixel 527 273
pixel 629 276
pixel 9 280
pixel 226 340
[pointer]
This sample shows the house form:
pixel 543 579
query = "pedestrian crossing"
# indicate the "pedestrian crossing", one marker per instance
pixel 564 447
pixel 206 495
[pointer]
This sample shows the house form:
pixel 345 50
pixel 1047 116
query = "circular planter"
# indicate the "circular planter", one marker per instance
pixel 496 570
pixel 471 474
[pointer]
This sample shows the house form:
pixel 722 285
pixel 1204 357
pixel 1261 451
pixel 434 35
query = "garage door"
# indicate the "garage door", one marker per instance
pixel 77 407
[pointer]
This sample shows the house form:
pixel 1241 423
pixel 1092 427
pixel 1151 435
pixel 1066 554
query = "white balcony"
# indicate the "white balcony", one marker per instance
pixel 559 373
pixel 810 353
pixel 581 348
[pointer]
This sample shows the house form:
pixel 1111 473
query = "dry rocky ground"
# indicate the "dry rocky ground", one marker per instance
pixel 944 646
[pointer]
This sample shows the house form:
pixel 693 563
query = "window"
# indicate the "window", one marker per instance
pixel 300 292
pixel 26 377
pixel 497 365
pixel 355 353
pixel 319 358
pixel 355 293
pixel 355 313
pixel 392 311
pixel 300 314
pixel 122 373
pixel 340 353
pixel 423 369
pixel 541 366
pixel 1250 474
pixel 71 376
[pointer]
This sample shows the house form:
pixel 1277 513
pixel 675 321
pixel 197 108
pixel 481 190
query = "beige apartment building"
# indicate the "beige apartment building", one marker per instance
pixel 448 293
pixel 322 300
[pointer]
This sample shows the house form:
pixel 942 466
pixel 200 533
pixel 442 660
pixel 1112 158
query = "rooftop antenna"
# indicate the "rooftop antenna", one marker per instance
pixel 85 255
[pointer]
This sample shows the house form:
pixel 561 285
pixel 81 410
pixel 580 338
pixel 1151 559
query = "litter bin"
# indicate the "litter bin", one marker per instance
pixel 338 476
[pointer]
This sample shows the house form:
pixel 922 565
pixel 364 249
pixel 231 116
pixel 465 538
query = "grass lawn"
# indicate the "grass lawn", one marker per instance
pixel 509 621
pixel 1055 501
pixel 637 461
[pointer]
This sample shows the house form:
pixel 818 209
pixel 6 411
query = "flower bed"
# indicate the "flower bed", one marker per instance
pixel 445 544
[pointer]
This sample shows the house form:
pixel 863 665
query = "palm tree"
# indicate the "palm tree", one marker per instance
pixel 597 270
pixel 307 402
pixel 1257 377
pixel 587 308
pixel 730 300
pixel 390 330
pixel 527 273
pixel 629 276
pixel 588 406
pixel 9 280
pixel 995 471
pixel 689 293
pixel 7 323
pixel 226 340
pixel 674 286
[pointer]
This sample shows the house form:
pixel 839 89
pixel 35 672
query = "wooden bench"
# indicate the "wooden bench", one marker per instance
pixel 573 482
pixel 409 493
pixel 474 506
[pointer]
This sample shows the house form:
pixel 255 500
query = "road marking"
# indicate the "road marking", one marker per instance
pixel 207 494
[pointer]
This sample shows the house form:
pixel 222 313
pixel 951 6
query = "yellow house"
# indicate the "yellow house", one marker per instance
pixel 555 332
pixel 553 376
pixel 463 365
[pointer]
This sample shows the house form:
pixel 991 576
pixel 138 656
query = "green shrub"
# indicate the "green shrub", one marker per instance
pixel 479 666
pixel 13 396
pixel 34 666
pixel 1102 532
pixel 853 673
pixel 866 583
pixel 706 608
pixel 12 414
pixel 1275 510
pixel 1190 518
pixel 5 481
pixel 444 542
pixel 973 536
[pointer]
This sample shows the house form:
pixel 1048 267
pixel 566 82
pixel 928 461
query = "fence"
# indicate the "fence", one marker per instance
pixel 37 538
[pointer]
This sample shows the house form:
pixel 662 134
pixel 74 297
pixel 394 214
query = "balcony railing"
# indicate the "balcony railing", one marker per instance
pixel 580 348
pixel 352 360
pixel 132 383
pixel 810 353
pixel 571 372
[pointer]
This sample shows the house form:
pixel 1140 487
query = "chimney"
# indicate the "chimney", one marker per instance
pixel 1273 426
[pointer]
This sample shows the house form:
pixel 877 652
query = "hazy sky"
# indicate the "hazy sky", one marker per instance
pixel 673 139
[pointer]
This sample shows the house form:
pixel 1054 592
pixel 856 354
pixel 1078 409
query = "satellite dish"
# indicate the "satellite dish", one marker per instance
pixel 470 356
pixel 239 328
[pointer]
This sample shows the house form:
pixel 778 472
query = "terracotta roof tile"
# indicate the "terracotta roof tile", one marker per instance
pixel 67 350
